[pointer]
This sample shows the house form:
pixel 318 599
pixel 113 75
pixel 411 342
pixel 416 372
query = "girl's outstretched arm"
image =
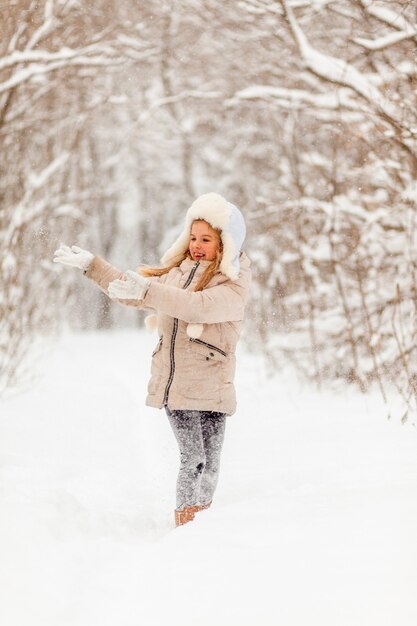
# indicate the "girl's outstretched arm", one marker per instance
pixel 102 273
pixel 220 303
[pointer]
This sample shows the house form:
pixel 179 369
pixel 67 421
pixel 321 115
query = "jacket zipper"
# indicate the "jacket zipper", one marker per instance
pixel 173 338
pixel 209 345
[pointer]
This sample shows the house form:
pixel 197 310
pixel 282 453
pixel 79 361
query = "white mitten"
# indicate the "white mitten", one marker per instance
pixel 74 256
pixel 133 287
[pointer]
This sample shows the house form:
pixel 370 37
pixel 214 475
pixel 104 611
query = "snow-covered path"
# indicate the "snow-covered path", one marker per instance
pixel 314 521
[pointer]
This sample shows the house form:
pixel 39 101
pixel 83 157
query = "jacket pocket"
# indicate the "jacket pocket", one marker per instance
pixel 208 350
pixel 206 373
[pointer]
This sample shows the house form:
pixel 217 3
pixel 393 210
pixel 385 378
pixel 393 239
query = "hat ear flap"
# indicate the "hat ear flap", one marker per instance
pixel 179 247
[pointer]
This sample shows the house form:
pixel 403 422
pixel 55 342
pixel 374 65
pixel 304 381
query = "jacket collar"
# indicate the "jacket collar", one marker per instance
pixel 188 264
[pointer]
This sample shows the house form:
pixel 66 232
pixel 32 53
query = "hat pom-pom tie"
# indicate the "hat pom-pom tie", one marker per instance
pixel 194 331
pixel 151 322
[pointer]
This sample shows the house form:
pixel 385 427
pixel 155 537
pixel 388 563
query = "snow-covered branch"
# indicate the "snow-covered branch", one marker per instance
pixel 265 6
pixel 297 98
pixel 315 4
pixel 385 42
pixel 338 71
pixel 45 29
pixel 26 56
pixel 387 16
pixel 50 23
pixel 179 97
pixel 393 19
pixel 35 70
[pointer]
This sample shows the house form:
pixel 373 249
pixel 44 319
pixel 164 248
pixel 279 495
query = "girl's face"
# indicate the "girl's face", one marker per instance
pixel 204 241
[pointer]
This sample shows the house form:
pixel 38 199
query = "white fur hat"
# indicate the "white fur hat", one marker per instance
pixel 220 214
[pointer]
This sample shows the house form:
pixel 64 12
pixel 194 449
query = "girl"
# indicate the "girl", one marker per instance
pixel 199 295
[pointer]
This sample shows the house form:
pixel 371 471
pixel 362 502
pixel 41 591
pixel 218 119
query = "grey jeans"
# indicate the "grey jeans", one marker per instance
pixel 200 436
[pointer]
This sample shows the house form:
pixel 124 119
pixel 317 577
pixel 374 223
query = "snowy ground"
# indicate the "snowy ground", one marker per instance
pixel 314 522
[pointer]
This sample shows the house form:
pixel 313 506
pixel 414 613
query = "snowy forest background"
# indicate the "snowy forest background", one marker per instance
pixel 115 115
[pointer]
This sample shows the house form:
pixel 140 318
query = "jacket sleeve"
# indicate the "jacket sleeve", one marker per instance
pixel 213 305
pixel 102 273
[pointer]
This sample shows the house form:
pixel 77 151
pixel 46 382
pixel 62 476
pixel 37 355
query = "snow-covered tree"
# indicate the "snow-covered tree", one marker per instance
pixel 53 57
pixel 338 226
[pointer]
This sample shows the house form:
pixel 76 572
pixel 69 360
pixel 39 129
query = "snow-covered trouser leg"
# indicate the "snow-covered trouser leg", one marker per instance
pixel 200 436
pixel 212 427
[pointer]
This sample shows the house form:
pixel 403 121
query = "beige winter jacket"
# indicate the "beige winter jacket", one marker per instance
pixel 187 372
